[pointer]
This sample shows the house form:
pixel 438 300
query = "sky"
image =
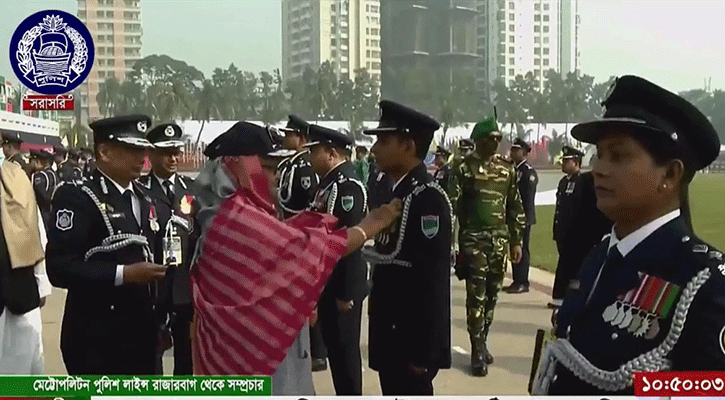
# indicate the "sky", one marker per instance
pixel 675 43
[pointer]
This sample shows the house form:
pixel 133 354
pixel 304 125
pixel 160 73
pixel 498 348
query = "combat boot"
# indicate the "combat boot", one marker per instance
pixel 478 364
pixel 487 356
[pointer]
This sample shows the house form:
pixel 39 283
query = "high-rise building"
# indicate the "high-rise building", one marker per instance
pixel 116 29
pixel 521 36
pixel 345 32
pixel 437 35
pixel 497 39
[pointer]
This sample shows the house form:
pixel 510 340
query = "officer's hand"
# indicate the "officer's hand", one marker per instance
pixel 42 301
pixel 516 254
pixel 384 216
pixel 143 273
pixel 344 305
pixel 166 341
pixel 313 317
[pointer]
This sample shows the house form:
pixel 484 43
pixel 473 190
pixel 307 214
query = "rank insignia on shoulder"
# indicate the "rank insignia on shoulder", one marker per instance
pixel 716 255
pixel 429 224
pixel 347 202
pixel 64 220
pixel 699 248
pixel 306 182
pixel 721 268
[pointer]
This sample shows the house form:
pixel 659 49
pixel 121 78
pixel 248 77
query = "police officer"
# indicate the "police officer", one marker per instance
pixel 578 224
pixel 89 164
pixel 297 187
pixel 176 213
pixel 70 170
pixel 44 180
pixel 11 149
pixel 100 249
pixel 298 182
pixel 410 315
pixel 59 155
pixel 651 296
pixel 341 194
pixel 492 221
pixel 442 174
pixel 527 180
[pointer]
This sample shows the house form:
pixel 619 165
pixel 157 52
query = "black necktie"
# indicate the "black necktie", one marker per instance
pixel 169 192
pixel 128 201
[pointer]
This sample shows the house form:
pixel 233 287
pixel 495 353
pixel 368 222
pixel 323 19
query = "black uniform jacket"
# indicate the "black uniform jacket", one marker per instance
pixel 443 175
pixel 380 187
pixel 44 183
pixel 342 195
pixel 661 266
pixel 176 290
pixel 527 179
pixel 100 317
pixel 68 172
pixel 410 309
pixel 297 184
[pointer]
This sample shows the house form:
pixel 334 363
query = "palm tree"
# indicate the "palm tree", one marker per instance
pixel 207 106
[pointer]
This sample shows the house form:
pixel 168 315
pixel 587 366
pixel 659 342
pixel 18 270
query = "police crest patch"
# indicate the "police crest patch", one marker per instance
pixel 306 182
pixel 429 224
pixel 64 220
pixel 347 202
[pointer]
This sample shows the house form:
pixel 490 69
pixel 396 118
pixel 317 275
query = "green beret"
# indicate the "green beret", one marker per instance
pixel 484 128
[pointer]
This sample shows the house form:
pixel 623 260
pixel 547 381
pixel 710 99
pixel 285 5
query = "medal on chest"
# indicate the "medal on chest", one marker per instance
pixel 153 220
pixel 640 309
pixel 185 205
pixel 570 187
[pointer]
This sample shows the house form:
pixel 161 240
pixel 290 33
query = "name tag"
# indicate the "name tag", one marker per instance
pixel 172 251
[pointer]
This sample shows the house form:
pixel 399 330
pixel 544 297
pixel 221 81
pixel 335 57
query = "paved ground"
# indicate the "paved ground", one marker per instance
pixel 511 341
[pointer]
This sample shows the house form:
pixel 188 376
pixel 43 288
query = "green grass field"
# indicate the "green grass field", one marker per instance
pixel 707 201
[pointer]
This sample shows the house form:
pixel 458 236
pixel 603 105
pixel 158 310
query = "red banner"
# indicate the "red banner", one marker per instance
pixel 679 384
pixel 59 102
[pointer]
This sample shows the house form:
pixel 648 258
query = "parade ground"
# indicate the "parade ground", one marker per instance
pixel 517 316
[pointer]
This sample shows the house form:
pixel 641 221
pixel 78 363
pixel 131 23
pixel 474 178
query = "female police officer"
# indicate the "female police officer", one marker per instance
pixel 651 296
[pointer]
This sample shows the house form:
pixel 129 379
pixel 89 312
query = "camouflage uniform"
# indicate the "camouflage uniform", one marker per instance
pixel 491 217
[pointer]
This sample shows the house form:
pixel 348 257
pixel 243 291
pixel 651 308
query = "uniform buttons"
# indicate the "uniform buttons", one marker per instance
pixel 614 336
pixel 393 326
pixel 554 378
pixel 113 308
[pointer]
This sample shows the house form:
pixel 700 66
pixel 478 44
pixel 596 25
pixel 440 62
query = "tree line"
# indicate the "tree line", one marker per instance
pixel 168 89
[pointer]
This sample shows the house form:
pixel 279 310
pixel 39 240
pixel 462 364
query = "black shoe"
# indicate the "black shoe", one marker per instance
pixel 517 289
pixel 507 288
pixel 319 364
pixel 478 365
pixel 553 306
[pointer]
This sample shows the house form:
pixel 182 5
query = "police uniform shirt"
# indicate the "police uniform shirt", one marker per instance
pixel 410 297
pixel 297 184
pixel 568 196
pixel 165 186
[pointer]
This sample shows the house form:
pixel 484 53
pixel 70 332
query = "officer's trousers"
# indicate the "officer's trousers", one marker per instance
pixel 398 380
pixel 181 331
pixel 486 255
pixel 341 333
pixel 521 269
pixel 567 269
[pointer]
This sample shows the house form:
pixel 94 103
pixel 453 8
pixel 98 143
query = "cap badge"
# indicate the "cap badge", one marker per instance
pixel 674 136
pixel 142 126
pixel 169 131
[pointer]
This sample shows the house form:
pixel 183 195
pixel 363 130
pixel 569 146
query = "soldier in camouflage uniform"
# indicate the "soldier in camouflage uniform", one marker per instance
pixel 491 219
